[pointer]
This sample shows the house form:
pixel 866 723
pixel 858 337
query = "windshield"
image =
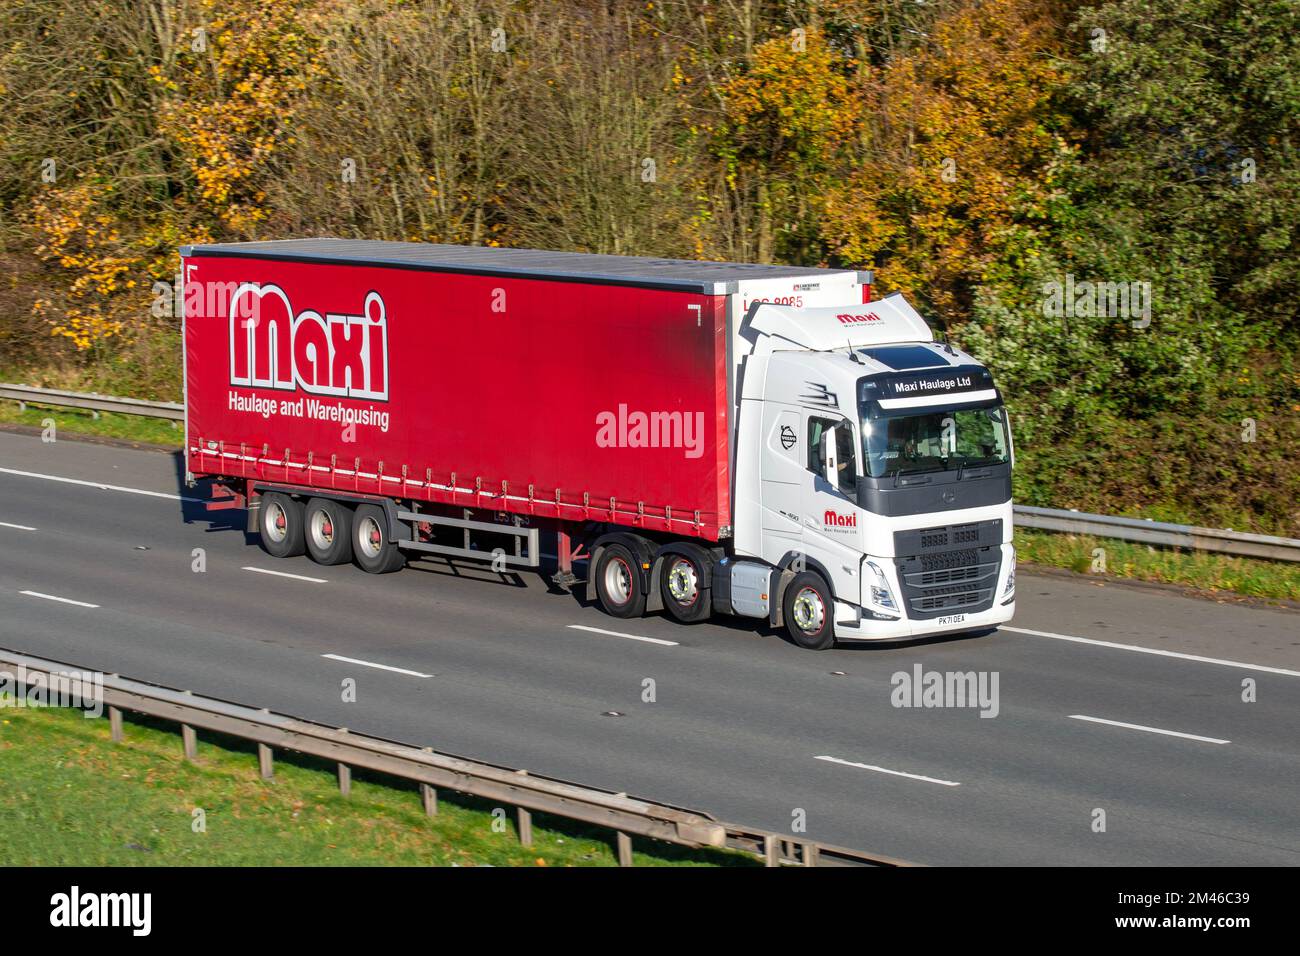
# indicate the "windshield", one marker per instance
pixel 904 443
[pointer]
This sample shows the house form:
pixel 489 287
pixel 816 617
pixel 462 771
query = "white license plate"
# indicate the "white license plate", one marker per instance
pixel 951 619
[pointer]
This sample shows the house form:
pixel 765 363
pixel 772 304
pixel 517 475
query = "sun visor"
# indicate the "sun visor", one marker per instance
pixel 891 319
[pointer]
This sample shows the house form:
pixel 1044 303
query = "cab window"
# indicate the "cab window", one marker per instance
pixel 844 457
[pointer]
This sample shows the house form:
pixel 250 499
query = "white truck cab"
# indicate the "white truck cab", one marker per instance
pixel 876 458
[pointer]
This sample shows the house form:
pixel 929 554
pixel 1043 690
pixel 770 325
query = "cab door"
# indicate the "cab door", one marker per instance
pixel 782 472
pixel 833 524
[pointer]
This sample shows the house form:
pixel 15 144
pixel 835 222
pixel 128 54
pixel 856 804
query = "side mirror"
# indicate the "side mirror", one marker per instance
pixel 1011 443
pixel 829 446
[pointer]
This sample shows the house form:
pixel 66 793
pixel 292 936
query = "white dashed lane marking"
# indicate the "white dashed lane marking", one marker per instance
pixel 382 667
pixel 1149 730
pixel 285 574
pixel 630 637
pixel 893 773
pixel 61 600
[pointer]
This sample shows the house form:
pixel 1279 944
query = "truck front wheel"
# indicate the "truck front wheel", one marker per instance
pixel 618 583
pixel 280 523
pixel 328 531
pixel 809 612
pixel 371 549
pixel 680 588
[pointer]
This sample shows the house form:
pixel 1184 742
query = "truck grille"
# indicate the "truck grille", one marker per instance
pixel 949 569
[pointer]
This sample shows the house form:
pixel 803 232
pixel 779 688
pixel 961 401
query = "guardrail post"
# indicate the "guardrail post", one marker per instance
pixel 345 780
pixel 811 856
pixel 115 724
pixel 624 849
pixel 525 820
pixel 771 850
pixel 190 741
pixel 264 761
pixel 430 798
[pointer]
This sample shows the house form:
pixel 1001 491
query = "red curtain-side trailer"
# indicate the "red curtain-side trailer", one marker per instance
pixel 503 380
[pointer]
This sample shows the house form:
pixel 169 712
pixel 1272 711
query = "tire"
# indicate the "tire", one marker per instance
pixel 327 530
pixel 280 525
pixel 618 583
pixel 809 612
pixel 679 587
pixel 371 549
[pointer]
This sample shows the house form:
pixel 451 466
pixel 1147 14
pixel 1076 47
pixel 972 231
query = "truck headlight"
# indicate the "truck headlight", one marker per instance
pixel 879 593
pixel 1010 589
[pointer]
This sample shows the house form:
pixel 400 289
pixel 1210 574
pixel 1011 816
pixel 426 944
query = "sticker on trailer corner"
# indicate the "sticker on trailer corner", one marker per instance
pixel 836 290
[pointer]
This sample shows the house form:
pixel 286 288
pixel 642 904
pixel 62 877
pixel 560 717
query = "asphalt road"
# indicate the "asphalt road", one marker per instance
pixel 742 724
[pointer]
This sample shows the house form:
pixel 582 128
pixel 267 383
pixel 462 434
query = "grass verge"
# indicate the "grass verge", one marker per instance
pixel 72 797
pixel 1209 573
pixel 75 421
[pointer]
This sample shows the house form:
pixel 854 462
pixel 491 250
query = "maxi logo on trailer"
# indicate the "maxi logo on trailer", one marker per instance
pixel 337 353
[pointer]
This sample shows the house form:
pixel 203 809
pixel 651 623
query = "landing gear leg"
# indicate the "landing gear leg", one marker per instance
pixel 564 576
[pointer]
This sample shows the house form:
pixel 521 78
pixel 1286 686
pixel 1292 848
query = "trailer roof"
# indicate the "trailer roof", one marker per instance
pixel 685 275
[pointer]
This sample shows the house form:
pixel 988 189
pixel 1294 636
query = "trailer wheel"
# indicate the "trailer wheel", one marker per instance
pixel 679 586
pixel 809 612
pixel 618 583
pixel 328 531
pixel 280 525
pixel 371 549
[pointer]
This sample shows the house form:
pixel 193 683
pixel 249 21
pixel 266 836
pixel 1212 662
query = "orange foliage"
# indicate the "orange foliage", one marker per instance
pixel 793 107
pixel 953 144
pixel 90 247
pixel 234 101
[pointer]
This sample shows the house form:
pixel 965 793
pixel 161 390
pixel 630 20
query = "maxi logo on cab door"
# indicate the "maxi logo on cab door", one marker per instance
pixel 834 521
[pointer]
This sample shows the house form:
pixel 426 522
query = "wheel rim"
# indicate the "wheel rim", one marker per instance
pixel 370 538
pixel 322 530
pixel 277 522
pixel 683 583
pixel 618 580
pixel 808 611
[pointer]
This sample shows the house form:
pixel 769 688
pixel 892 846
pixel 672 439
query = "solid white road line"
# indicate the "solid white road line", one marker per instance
pixel 285 574
pixel 20 527
pixel 51 597
pixel 895 773
pixel 1150 730
pixel 1152 650
pixel 630 637
pixel 99 485
pixel 382 667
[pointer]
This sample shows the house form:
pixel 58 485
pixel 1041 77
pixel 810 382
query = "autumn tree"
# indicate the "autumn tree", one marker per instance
pixel 957 140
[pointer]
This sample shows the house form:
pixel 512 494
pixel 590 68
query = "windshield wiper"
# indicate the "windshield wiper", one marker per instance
pixel 899 473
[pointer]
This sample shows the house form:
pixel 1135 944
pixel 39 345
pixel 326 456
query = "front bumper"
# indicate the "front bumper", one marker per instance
pixel 855 623
pixel 869 630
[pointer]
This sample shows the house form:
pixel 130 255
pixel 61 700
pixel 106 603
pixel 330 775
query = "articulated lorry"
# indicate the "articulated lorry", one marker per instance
pixel 709 437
